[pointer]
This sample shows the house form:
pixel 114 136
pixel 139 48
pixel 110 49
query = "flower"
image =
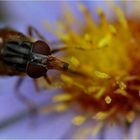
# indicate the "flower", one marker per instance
pixel 103 83
pixel 102 86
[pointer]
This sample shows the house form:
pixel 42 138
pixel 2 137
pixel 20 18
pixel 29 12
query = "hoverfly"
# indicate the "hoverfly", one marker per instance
pixel 19 55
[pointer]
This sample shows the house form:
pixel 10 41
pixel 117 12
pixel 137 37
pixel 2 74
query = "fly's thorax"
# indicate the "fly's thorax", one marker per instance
pixel 26 56
pixel 16 54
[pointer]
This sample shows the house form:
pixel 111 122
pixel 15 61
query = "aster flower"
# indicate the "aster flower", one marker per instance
pixel 100 96
pixel 105 56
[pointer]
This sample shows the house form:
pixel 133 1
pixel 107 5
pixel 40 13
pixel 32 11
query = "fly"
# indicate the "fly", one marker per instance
pixel 19 55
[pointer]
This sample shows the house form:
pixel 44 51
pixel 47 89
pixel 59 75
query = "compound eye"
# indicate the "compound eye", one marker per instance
pixel 41 47
pixel 35 71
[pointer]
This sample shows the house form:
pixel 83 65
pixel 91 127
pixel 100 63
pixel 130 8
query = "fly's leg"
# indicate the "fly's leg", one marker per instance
pixel 36 85
pixel 32 30
pixel 47 79
pixel 53 51
pixel 30 104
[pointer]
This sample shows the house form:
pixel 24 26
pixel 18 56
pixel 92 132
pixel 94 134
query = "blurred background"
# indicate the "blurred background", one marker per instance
pixel 14 119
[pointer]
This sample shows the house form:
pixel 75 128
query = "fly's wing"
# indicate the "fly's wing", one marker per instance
pixel 8 34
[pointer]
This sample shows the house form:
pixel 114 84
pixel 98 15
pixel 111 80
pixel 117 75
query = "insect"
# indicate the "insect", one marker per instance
pixel 19 55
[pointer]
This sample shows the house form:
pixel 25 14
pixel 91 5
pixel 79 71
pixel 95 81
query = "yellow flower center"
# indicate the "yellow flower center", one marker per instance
pixel 106 55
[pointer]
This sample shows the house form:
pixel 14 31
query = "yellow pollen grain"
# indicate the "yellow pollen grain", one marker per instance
pixel 60 107
pixel 122 85
pixel 92 89
pixel 104 42
pixel 120 91
pixel 78 120
pixel 66 78
pixel 130 116
pixel 74 61
pixel 108 99
pixel 62 97
pixel 69 80
pixel 102 75
pixel 99 94
pixel 100 116
pixel 80 86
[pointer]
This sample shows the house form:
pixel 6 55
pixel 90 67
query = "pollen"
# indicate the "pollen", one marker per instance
pixel 131 116
pixel 104 57
pixel 66 78
pixel 104 42
pixel 122 85
pixel 101 75
pixel 74 61
pixel 78 120
pixel 108 99
pixel 100 116
pixel 62 97
pixel 60 107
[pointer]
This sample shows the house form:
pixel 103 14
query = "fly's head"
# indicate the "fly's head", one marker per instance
pixel 33 58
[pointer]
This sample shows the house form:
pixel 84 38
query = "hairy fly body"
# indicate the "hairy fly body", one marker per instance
pixel 19 55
